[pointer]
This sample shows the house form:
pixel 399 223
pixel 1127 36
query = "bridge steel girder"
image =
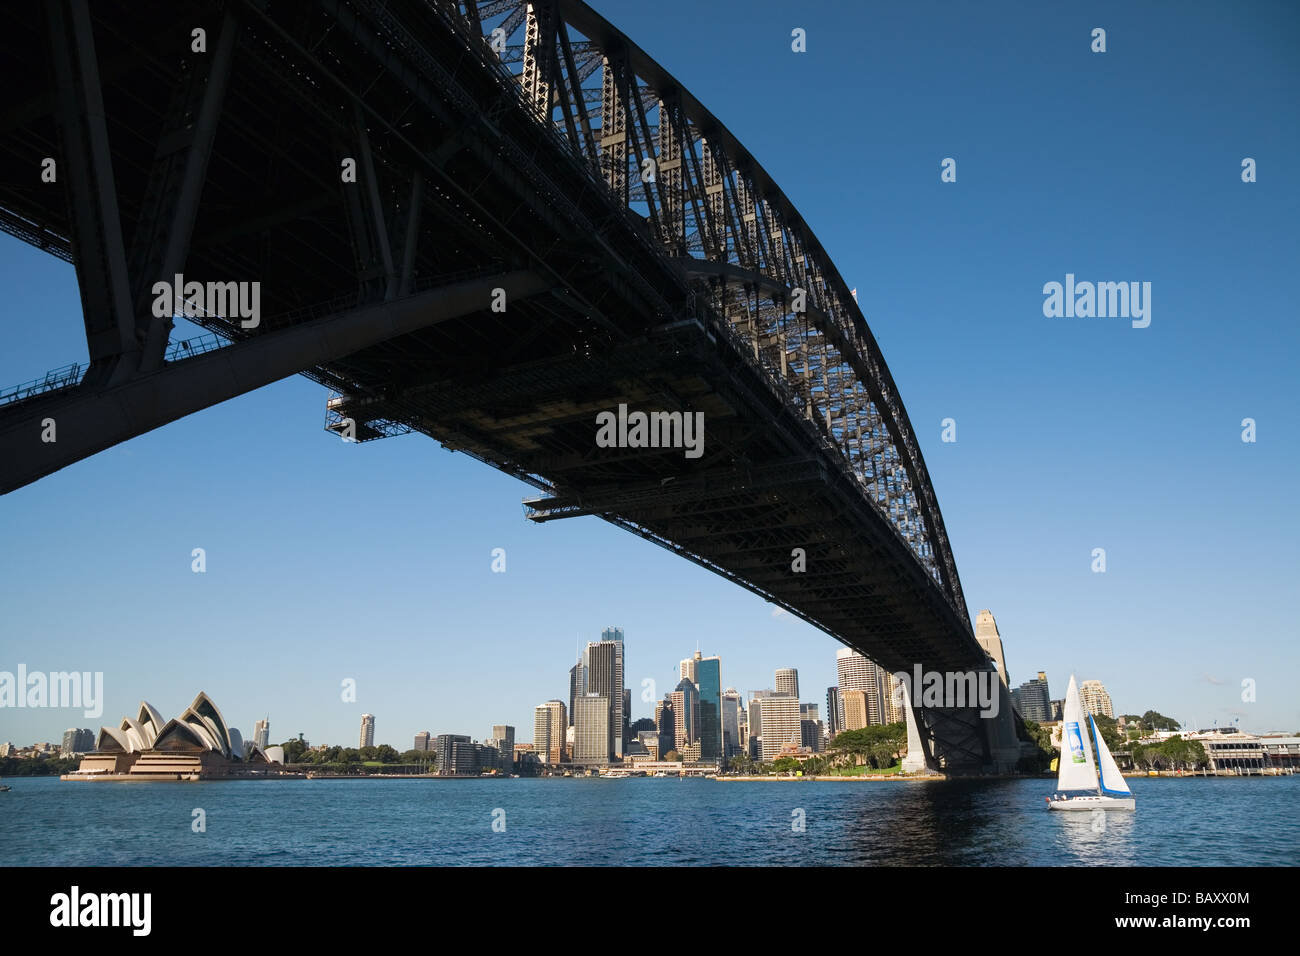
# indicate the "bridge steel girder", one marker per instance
pixel 89 419
pixel 721 191
pixel 546 183
pixel 98 249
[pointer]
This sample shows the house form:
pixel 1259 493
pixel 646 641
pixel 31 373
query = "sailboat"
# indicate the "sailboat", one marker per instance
pixel 1076 783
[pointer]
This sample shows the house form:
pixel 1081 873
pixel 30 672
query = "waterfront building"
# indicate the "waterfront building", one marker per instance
pixel 986 633
pixel 649 742
pixel 781 724
pixel 787 681
pixel 503 739
pixel 453 755
pixel 1095 700
pixel 550 721
pixel 367 730
pixel 593 743
pixel 262 733
pixel 198 744
pixel 422 740
pixel 1033 699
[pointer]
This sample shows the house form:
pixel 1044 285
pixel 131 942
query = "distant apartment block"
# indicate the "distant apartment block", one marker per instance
pixel 1095 700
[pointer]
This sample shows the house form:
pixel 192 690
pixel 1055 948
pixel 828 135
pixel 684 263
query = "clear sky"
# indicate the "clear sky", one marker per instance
pixel 328 561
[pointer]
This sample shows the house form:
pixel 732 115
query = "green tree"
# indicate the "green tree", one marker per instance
pixel 1154 720
pixel 1109 731
pixel 293 750
pixel 672 755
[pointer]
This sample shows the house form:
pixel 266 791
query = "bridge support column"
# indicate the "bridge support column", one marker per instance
pixel 918 757
pixel 969 738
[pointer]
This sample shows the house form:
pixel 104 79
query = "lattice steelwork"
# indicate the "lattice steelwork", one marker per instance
pixel 542 225
pixel 741 240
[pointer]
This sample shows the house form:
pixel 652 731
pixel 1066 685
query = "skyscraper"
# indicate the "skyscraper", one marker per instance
pixel 877 690
pixel 708 684
pixel 856 712
pixel 593 745
pixel 665 725
pixel 781 725
pixel 576 686
pixel 367 730
pixel 986 632
pixel 619 703
pixel 787 681
pixel 262 733
pixel 834 720
pixel 686 714
pixel 893 703
pixel 852 669
pixel 603 669
pixel 732 707
pixel 627 718
pixel 686 668
pixel 422 740
pixel 550 721
pixel 1034 699
pixel 1093 696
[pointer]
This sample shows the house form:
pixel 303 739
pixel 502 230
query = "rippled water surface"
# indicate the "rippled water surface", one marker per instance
pixel 654 822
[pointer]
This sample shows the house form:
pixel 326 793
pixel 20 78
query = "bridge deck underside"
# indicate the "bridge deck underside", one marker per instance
pixel 465 180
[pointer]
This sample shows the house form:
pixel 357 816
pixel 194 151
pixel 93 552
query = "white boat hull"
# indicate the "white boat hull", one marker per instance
pixel 1092 803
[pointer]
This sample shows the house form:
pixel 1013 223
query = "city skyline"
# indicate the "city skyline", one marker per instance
pixel 858 675
pixel 1071 435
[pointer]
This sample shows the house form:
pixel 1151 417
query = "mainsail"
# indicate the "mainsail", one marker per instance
pixel 1077 772
pixel 1112 781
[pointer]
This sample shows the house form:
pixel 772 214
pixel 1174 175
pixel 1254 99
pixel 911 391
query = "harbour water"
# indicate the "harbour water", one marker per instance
pixel 642 822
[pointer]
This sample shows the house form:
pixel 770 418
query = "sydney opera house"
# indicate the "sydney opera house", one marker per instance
pixel 197 745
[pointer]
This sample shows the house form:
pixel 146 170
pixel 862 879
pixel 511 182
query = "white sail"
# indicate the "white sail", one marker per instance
pixel 1112 781
pixel 1077 771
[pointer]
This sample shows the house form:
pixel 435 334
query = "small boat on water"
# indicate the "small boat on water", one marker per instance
pixel 4 788
pixel 1077 784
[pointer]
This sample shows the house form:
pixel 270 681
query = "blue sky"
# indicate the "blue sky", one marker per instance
pixel 328 561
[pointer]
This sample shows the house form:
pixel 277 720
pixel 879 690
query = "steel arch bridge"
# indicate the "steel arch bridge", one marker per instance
pixel 542 224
